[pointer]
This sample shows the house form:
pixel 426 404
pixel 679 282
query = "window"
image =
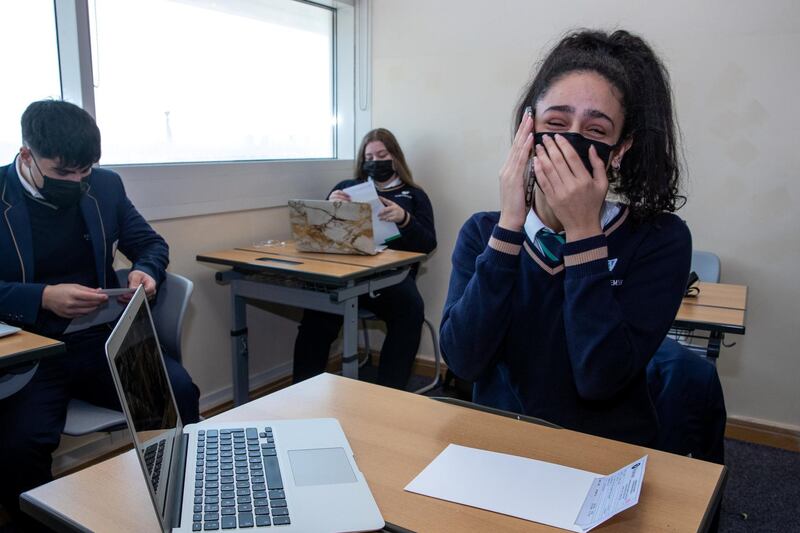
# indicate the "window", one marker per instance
pixel 28 65
pixel 204 106
pixel 201 80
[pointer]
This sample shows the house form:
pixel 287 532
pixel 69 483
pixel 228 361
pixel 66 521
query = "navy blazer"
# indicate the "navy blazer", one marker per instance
pixel 113 224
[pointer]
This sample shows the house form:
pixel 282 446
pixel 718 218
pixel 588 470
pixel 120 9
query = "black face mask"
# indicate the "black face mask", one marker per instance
pixel 61 193
pixel 581 145
pixel 379 171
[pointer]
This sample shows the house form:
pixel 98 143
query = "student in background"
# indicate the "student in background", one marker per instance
pixel 64 221
pixel 555 308
pixel 380 159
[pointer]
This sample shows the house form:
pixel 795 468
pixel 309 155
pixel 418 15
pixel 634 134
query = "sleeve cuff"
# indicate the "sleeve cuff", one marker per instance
pixel 24 307
pixel 406 221
pixel 504 246
pixel 149 271
pixel 587 256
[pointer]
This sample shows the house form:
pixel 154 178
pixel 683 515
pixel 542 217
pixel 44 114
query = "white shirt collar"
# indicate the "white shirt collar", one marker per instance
pixel 28 187
pixel 394 183
pixel 533 223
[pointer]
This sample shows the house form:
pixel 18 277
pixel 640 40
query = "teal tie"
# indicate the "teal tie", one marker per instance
pixel 552 244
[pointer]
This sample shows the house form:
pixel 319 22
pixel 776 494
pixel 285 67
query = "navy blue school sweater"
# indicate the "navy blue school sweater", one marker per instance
pixel 417 233
pixel 568 342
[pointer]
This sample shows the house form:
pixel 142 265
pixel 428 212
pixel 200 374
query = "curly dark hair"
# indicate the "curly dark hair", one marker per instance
pixel 649 178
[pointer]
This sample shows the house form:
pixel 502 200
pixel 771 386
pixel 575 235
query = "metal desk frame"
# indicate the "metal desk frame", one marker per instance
pixel 715 339
pixel 319 295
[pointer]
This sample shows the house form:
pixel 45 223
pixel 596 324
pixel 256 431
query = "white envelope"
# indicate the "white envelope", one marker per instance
pixel 559 496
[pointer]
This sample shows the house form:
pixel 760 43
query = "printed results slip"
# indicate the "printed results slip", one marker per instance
pixel 555 495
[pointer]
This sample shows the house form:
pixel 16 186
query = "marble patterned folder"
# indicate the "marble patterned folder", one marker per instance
pixel 332 227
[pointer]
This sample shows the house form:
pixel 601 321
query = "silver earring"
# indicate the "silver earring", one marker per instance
pixel 615 175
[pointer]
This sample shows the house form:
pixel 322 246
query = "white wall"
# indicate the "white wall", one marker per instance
pixel 206 331
pixel 447 73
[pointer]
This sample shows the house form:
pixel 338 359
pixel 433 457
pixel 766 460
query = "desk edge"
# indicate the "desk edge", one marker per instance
pixel 368 271
pixel 255 269
pixel 709 326
pixel 716 501
pixel 33 354
pixel 49 516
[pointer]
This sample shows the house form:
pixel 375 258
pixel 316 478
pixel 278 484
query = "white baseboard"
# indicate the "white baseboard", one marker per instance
pixel 75 451
pixel 213 399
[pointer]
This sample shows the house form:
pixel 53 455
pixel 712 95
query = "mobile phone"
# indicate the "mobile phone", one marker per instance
pixel 117 292
pixel 530 177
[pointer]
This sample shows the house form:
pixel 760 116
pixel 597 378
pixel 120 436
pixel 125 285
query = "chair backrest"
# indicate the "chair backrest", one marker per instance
pixel 168 311
pixel 12 382
pixel 706 265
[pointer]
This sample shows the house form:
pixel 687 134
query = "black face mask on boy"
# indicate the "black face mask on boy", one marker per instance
pixel 61 193
pixel 380 170
pixel 581 145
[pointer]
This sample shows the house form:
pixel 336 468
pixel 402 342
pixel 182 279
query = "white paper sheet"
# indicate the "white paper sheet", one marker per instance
pixel 107 312
pixel 612 494
pixel 365 192
pixel 526 488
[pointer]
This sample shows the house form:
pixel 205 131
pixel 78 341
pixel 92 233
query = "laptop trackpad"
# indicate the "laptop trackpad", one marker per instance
pixel 323 466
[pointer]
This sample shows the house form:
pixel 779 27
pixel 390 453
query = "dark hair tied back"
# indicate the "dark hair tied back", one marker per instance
pixel 649 175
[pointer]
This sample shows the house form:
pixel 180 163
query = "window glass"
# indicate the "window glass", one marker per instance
pixel 204 80
pixel 28 65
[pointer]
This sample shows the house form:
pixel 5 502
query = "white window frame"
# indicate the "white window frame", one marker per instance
pixel 174 190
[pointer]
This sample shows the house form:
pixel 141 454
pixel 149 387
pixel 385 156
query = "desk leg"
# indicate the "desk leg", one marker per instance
pixel 350 339
pixel 714 342
pixel 239 353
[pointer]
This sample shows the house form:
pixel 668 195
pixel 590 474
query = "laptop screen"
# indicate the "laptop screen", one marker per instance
pixel 148 397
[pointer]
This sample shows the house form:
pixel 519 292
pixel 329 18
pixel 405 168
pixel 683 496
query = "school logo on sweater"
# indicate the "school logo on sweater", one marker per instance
pixel 611 264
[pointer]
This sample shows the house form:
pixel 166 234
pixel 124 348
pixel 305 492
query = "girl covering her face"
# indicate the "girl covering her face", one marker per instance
pixel 558 301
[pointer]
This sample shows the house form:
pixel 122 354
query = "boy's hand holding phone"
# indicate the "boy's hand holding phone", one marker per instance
pixel 136 278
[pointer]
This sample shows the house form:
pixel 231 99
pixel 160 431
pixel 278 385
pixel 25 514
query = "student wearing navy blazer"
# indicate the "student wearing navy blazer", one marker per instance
pixel 113 224
pixel 61 224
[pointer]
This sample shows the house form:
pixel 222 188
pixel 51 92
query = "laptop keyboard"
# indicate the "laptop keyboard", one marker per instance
pixel 153 458
pixel 237 480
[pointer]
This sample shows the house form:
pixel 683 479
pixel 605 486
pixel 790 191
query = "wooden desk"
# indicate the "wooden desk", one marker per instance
pixel 718 308
pixel 324 282
pixel 25 347
pixel 394 436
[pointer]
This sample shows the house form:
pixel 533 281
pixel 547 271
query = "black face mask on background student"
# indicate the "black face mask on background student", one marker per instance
pixel 581 145
pixel 379 171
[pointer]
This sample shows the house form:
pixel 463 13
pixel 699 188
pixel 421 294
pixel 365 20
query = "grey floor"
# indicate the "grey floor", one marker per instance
pixel 763 489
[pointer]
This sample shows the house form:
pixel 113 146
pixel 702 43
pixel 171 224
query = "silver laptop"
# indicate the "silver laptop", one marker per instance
pixel 333 227
pixel 273 475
